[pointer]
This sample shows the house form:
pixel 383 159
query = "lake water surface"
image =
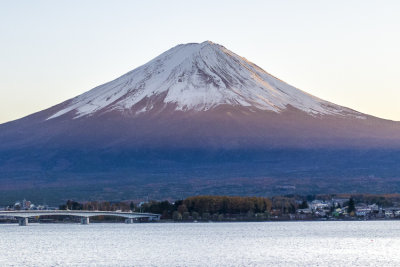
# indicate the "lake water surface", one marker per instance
pixel 360 243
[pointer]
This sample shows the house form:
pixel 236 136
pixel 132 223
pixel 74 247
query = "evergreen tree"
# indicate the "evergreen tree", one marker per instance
pixel 132 206
pixel 351 208
pixel 303 205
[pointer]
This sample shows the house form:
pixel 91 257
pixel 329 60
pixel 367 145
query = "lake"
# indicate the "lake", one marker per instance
pixel 339 243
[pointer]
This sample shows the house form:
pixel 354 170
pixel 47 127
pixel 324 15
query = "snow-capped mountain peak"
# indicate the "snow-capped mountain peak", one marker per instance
pixel 197 76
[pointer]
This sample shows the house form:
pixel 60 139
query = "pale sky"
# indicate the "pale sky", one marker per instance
pixel 346 52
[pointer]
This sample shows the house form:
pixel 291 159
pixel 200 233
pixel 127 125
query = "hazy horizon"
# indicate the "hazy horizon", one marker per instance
pixel 343 52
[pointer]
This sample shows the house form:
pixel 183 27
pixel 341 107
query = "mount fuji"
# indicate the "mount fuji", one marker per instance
pixel 197 119
pixel 196 77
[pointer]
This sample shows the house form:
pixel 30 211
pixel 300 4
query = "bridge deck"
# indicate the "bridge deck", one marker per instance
pixel 78 213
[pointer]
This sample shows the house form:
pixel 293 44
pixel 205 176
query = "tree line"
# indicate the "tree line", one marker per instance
pixel 197 207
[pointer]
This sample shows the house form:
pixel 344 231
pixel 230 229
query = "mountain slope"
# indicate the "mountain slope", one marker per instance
pixel 196 113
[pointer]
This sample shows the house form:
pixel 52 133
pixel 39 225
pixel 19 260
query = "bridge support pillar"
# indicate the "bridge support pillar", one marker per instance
pixel 22 221
pixel 85 220
pixel 129 220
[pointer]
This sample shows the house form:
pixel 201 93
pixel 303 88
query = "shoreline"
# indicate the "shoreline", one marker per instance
pixel 9 222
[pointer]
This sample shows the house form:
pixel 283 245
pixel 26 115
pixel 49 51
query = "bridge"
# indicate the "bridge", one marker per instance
pixel 23 215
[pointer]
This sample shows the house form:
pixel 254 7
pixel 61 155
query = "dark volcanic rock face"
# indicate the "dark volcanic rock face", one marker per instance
pixel 196 120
